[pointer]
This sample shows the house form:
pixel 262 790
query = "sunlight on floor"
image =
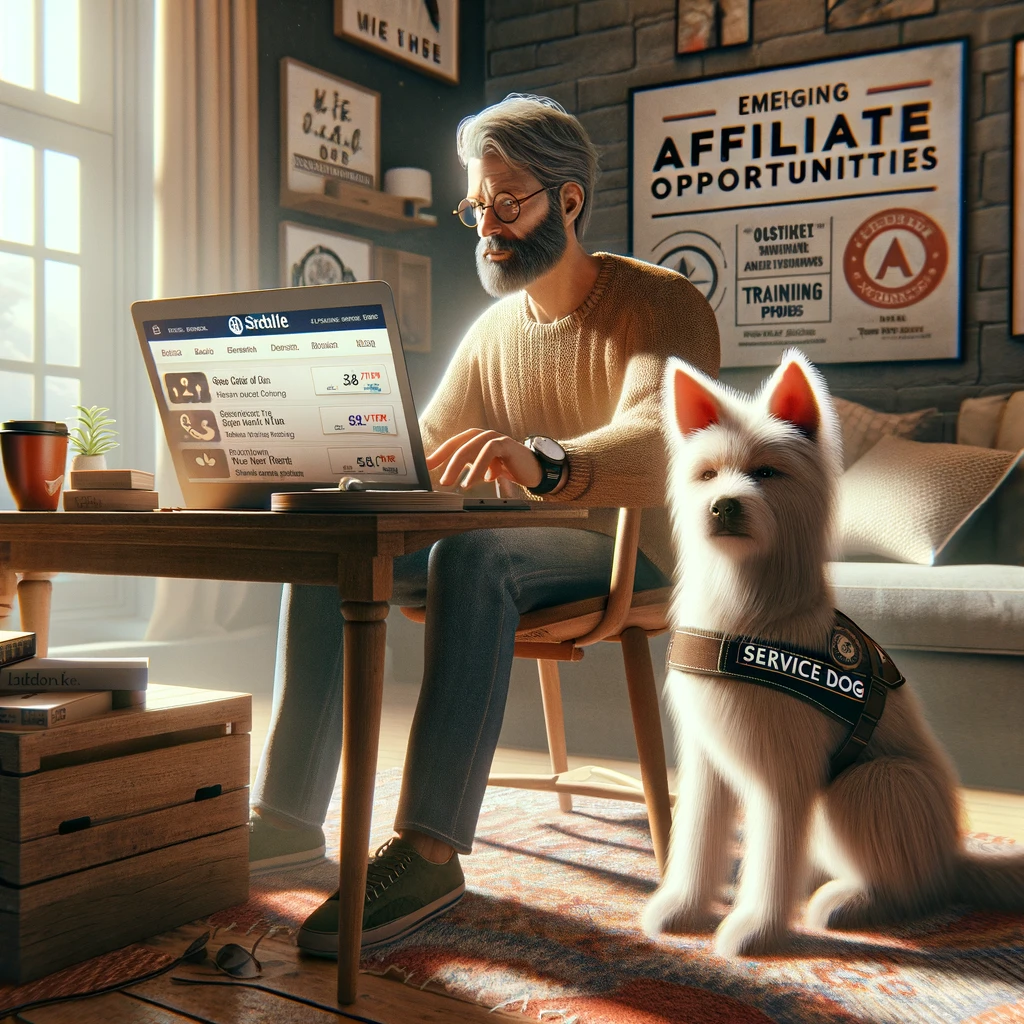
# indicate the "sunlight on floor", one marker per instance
pixel 1000 814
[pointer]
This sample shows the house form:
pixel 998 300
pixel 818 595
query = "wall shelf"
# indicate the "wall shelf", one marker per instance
pixel 357 205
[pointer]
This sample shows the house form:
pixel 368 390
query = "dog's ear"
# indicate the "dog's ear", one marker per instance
pixel 793 400
pixel 695 405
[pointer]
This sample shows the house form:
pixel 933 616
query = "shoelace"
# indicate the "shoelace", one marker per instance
pixel 385 869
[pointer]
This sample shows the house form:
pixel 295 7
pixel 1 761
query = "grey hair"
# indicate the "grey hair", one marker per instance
pixel 538 134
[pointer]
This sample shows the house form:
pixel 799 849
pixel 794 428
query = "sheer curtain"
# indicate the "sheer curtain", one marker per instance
pixel 206 227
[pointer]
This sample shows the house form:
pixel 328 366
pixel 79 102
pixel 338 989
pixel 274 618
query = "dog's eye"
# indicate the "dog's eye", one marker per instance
pixel 764 472
pixel 708 474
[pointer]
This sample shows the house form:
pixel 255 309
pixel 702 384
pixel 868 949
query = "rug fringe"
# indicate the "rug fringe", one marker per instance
pixel 562 1014
pixel 514 1003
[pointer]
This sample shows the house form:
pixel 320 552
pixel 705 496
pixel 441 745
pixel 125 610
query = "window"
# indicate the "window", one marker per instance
pixel 75 140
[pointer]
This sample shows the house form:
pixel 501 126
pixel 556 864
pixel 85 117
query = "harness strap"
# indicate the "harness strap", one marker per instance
pixel 710 652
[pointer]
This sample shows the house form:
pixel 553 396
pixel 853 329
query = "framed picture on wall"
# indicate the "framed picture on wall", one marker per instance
pixel 330 131
pixel 1017 196
pixel 314 256
pixel 408 273
pixel 840 14
pixel 712 24
pixel 818 205
pixel 421 33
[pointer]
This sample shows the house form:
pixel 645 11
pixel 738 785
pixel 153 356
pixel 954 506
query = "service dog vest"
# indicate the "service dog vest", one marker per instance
pixel 849 685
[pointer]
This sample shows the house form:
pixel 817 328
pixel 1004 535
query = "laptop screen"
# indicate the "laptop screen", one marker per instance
pixel 294 398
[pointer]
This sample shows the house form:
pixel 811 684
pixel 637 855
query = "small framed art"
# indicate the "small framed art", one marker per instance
pixel 712 24
pixel 314 256
pixel 330 130
pixel 408 273
pixel 421 33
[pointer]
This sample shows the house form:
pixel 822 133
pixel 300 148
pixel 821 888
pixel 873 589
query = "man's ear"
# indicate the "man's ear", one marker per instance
pixel 693 403
pixel 571 197
pixel 791 397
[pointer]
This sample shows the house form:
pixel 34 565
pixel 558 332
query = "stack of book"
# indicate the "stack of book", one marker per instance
pixel 39 693
pixel 111 490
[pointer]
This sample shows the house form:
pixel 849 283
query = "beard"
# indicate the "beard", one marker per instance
pixel 533 255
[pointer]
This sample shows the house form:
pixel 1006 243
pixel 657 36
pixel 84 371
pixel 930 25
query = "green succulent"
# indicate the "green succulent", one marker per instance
pixel 93 435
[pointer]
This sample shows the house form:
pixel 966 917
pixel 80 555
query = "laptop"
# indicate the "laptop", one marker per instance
pixel 269 398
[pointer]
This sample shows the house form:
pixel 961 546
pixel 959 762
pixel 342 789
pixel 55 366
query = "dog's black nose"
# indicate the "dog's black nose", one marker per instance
pixel 726 508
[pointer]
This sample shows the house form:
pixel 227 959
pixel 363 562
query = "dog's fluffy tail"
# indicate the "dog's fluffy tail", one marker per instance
pixel 990 881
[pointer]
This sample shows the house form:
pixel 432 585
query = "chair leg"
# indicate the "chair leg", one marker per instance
pixel 554 723
pixel 643 700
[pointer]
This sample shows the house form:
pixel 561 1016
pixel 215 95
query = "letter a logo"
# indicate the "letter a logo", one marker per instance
pixel 897 258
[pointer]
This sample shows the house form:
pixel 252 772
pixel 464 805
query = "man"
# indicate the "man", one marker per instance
pixel 553 393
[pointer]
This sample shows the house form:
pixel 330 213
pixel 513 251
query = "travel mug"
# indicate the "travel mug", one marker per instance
pixel 34 453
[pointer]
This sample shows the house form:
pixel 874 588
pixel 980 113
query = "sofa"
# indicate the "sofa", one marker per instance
pixel 931 566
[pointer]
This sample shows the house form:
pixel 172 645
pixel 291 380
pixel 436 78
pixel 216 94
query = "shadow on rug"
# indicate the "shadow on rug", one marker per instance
pixel 550 925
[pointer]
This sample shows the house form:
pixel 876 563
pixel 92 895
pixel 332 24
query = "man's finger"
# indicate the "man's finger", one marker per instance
pixel 464 456
pixel 445 450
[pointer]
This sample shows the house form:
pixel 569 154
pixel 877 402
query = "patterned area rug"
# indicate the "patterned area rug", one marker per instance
pixel 550 927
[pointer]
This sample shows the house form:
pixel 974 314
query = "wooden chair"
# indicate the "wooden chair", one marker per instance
pixel 561 633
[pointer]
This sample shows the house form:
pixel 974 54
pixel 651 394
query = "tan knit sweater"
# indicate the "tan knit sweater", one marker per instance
pixel 592 381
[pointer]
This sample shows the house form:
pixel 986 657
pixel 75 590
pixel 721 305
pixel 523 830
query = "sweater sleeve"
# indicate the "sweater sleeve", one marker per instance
pixel 457 404
pixel 625 463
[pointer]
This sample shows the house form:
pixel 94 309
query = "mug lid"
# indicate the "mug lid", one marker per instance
pixel 34 427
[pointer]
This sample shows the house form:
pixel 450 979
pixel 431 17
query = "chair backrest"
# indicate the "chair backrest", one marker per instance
pixel 620 592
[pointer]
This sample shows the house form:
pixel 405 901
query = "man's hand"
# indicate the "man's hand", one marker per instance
pixel 490 456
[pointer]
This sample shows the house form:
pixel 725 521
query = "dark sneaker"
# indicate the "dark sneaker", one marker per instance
pixel 403 891
pixel 273 847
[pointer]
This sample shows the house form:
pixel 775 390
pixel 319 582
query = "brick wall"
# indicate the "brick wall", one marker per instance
pixel 587 54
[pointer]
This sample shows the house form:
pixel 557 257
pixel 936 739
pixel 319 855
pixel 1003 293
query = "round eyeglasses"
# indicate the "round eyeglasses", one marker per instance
pixel 505 205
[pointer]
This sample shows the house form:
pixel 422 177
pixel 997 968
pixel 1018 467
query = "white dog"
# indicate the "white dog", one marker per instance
pixel 752 492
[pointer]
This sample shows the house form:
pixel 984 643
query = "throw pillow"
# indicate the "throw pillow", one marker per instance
pixel 1010 436
pixel 978 420
pixel 863 428
pixel 931 504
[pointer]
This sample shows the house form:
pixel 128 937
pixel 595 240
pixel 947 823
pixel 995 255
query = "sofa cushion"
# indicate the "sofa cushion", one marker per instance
pixel 914 502
pixel 862 428
pixel 969 608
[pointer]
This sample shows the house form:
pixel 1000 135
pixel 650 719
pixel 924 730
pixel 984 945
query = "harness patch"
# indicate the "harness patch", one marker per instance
pixel 848 684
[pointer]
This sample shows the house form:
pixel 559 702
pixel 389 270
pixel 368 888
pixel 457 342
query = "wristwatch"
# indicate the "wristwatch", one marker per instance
pixel 552 458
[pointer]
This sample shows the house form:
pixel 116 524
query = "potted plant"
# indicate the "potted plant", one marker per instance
pixel 92 438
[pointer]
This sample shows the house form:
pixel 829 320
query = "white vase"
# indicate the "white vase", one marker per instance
pixel 79 462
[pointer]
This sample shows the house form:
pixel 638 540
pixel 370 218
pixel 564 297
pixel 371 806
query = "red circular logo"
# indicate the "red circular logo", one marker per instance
pixel 878 266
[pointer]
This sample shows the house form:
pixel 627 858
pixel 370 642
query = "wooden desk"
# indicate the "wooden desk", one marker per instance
pixel 352 552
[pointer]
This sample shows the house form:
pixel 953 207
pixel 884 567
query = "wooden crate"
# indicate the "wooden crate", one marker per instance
pixel 122 826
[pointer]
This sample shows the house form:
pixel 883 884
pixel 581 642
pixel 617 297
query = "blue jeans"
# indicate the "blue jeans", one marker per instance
pixel 475 586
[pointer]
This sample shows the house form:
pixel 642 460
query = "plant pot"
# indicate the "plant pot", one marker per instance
pixel 79 462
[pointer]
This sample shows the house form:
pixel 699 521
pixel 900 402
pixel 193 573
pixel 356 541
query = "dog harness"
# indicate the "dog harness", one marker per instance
pixel 849 685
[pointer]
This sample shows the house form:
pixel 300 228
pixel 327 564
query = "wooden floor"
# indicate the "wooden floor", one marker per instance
pixel 303 989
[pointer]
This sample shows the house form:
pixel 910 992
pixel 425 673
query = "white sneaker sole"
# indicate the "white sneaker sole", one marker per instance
pixel 326 945
pixel 288 859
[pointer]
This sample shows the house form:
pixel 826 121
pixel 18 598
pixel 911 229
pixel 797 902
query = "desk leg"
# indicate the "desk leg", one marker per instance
pixel 365 633
pixel 34 592
pixel 8 588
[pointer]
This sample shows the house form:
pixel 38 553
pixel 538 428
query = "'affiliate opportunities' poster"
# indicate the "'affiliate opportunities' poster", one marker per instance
pixel 817 205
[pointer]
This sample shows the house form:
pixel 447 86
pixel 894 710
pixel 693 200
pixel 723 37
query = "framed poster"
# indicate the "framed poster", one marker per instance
pixel 840 14
pixel 816 205
pixel 421 33
pixel 1017 197
pixel 408 273
pixel 712 24
pixel 330 130
pixel 314 256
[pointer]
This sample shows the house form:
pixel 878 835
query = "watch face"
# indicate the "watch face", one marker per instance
pixel 548 448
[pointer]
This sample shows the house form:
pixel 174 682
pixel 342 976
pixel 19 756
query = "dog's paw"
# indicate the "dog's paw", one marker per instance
pixel 671 911
pixel 841 905
pixel 746 933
